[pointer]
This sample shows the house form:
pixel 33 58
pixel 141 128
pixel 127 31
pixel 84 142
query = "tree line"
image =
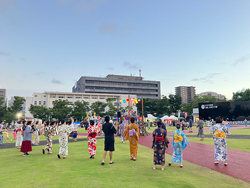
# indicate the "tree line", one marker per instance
pixel 64 109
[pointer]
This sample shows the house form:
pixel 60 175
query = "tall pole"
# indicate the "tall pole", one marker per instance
pixel 142 110
pixel 118 102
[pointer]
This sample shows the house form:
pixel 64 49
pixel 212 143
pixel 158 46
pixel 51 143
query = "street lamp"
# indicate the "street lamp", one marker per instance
pixel 18 116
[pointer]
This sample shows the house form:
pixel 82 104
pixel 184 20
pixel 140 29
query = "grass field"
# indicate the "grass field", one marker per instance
pixel 77 170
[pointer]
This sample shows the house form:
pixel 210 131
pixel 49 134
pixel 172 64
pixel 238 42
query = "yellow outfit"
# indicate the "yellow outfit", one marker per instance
pixel 133 140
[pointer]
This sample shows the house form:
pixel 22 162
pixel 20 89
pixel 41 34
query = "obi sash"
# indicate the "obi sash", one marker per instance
pixel 74 131
pixel 178 138
pixel 218 134
pixel 123 128
pixel 93 134
pixel 18 130
pixel 159 139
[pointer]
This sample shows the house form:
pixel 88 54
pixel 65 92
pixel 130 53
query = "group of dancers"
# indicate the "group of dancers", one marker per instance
pixel 129 131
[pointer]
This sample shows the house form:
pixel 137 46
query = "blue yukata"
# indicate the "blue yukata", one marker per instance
pixel 220 145
pixel 180 142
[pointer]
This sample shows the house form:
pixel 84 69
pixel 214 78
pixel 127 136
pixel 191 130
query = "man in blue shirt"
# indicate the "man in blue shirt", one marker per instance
pixel 190 125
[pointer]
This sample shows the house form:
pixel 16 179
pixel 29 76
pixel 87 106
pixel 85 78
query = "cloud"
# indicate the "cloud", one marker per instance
pixel 206 79
pixel 241 59
pixel 4 54
pixel 110 68
pixel 128 65
pixel 55 81
pixel 114 30
pixel 22 59
pixel 242 90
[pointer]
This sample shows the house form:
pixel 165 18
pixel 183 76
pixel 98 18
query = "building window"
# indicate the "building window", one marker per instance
pixel 60 97
pixel 86 97
pixel 35 103
pixel 35 95
pixel 102 98
pixel 78 97
pixel 40 102
pixel 44 95
pixel 44 102
pixel 94 97
pixel 54 96
pixel 69 97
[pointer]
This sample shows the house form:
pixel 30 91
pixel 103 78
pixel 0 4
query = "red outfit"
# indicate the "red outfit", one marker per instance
pixel 92 132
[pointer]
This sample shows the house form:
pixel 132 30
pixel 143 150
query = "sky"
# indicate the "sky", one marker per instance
pixel 48 45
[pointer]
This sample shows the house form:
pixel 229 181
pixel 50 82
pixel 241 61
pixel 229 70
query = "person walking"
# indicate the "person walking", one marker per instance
pixel 220 132
pixel 19 136
pixel 190 125
pixel 132 134
pixel 27 137
pixel 63 138
pixel 180 142
pixel 122 126
pixel 245 121
pixel 160 143
pixel 109 140
pixel 92 132
pixel 148 124
pixel 1 132
pixel 35 142
pixel 200 125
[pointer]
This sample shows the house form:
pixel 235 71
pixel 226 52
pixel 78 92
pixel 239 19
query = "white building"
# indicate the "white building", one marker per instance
pixel 46 99
pixel 212 94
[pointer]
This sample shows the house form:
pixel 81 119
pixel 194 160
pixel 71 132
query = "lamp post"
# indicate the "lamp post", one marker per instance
pixel 18 116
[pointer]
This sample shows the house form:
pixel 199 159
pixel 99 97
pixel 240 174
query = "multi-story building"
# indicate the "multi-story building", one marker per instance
pixel 46 99
pixel 212 94
pixel 187 93
pixel 116 84
pixel 3 94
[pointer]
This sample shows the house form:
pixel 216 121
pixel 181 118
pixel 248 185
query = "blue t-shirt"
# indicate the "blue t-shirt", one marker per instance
pixel 27 135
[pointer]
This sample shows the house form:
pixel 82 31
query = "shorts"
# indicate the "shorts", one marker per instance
pixel 74 135
pixel 109 146
pixel 190 126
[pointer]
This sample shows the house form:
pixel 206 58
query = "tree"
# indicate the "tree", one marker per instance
pixel 17 104
pixel 80 109
pixel 175 102
pixel 40 112
pixel 3 109
pixel 242 96
pixel 111 108
pixel 61 109
pixel 98 107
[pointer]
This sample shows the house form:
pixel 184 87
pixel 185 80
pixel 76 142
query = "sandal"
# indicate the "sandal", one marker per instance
pixel 43 151
pixel 102 163
pixel 64 157
pixel 216 163
pixel 181 166
pixel 112 162
pixel 169 164
pixel 225 164
pixel 134 159
pixel 59 157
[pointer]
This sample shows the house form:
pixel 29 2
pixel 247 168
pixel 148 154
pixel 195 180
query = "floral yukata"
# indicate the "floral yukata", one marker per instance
pixel 180 142
pixel 159 145
pixel 122 127
pixel 220 144
pixel 92 132
pixel 49 132
pixel 63 138
pixel 19 138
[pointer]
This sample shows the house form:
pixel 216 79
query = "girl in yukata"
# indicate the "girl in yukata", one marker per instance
pixel 220 145
pixel 19 138
pixel 122 126
pixel 49 132
pixel 63 137
pixel 92 132
pixel 180 142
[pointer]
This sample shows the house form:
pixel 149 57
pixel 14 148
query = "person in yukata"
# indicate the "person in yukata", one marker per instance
pixel 93 130
pixel 49 132
pixel 160 143
pixel 132 134
pixel 122 126
pixel 220 132
pixel 200 125
pixel 63 137
pixel 180 142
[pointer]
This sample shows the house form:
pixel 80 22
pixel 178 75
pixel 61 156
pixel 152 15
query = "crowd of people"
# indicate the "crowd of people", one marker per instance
pixel 129 132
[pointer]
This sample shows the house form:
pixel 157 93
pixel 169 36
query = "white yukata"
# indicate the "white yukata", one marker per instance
pixel 19 136
pixel 63 138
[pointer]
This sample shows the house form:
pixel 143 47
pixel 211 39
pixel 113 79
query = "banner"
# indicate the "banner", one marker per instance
pixel 186 115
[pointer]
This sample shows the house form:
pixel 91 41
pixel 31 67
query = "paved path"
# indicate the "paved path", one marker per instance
pixel 228 136
pixel 201 154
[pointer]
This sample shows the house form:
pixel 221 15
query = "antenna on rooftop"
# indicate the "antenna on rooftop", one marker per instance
pixel 139 72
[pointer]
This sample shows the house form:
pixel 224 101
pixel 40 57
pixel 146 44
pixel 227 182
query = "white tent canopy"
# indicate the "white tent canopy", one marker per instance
pixel 150 116
pixel 173 117
pixel 165 117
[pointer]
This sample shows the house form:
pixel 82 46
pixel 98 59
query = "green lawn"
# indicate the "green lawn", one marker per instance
pixel 77 170
pixel 232 131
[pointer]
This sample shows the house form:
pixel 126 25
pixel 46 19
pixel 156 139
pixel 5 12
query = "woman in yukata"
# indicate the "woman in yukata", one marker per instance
pixel 63 137
pixel 180 142
pixel 220 145
pixel 92 133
